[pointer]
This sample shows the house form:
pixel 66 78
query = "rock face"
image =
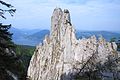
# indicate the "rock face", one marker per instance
pixel 61 53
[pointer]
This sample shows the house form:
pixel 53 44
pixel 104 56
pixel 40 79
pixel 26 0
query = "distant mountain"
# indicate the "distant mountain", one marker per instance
pixel 30 31
pixel 35 36
pixel 118 32
pixel 38 36
pixel 24 37
pixel 17 33
pixel 106 34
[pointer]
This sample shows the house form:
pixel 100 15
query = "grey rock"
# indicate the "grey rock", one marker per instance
pixel 62 54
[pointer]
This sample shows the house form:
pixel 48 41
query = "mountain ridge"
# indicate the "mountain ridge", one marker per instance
pixel 34 37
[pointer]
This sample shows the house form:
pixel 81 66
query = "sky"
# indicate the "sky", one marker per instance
pixel 85 14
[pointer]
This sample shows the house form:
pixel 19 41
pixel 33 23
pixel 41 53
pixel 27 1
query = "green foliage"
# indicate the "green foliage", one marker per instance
pixel 5 38
pixel 86 78
pixel 10 9
pixel 25 53
pixel 118 44
pixel 9 60
pixel 113 39
pixel 25 50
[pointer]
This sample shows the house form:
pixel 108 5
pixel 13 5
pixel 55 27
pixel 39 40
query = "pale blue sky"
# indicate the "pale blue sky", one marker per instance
pixel 85 14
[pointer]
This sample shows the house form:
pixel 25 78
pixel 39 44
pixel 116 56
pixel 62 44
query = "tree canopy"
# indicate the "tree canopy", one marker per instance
pixel 10 64
pixel 10 9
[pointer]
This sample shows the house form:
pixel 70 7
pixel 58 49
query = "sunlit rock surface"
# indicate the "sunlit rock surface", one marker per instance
pixel 61 53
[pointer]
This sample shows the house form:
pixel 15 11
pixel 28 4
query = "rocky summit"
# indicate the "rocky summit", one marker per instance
pixel 61 53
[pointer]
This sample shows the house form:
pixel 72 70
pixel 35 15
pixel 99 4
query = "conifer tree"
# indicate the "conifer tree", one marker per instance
pixel 5 39
pixel 9 62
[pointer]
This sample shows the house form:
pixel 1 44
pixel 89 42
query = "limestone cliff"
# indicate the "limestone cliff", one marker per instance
pixel 61 53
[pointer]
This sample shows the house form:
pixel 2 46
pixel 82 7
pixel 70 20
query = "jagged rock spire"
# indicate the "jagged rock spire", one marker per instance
pixel 56 20
pixel 62 54
pixel 59 22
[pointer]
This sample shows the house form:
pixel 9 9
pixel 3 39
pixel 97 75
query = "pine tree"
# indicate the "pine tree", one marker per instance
pixel 6 44
pixel 7 54
pixel 5 35
pixel 5 39
pixel 10 9
pixel 9 62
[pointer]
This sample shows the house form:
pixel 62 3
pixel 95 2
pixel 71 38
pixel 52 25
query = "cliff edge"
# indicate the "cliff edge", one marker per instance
pixel 61 53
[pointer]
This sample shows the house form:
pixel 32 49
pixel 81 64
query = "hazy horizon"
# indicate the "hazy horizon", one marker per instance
pixel 91 15
pixel 38 29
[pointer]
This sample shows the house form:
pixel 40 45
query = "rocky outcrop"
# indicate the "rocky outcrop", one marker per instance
pixel 61 53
